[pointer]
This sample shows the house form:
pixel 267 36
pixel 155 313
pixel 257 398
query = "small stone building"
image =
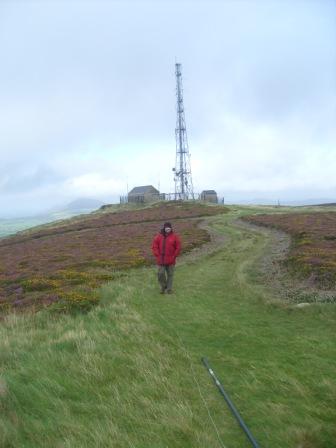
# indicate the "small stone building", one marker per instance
pixel 209 196
pixel 146 193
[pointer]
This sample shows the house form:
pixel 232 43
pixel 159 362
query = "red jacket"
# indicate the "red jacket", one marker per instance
pixel 166 248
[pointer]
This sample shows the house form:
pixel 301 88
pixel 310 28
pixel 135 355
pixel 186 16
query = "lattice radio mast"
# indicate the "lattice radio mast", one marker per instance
pixel 183 180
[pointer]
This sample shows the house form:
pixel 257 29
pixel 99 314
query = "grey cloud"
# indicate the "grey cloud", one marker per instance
pixel 20 179
pixel 80 74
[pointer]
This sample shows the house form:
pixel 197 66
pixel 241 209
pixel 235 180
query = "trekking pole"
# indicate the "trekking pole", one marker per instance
pixel 230 404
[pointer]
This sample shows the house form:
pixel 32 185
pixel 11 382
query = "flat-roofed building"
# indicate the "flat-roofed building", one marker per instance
pixel 146 193
pixel 209 196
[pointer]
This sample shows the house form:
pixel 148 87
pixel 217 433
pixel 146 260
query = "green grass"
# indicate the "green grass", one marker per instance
pixel 129 373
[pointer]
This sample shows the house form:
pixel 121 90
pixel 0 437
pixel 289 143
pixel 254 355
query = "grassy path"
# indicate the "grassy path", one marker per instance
pixel 129 374
pixel 276 362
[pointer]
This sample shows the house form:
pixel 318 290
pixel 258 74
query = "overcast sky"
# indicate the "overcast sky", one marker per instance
pixel 87 98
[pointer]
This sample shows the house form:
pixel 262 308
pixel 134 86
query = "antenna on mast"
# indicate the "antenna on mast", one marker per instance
pixel 182 171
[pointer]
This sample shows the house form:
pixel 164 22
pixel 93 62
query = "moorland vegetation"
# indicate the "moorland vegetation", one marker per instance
pixel 313 246
pixel 61 265
pixel 128 372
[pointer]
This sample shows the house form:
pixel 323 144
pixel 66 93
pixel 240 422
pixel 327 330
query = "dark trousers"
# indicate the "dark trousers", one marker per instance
pixel 165 276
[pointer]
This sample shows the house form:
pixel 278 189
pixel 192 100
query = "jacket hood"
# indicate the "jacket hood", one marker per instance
pixel 166 224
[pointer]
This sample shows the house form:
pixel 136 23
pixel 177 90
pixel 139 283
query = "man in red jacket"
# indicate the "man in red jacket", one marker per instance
pixel 166 247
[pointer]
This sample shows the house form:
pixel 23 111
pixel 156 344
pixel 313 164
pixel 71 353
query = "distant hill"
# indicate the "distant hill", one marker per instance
pixel 317 201
pixel 77 207
pixel 293 203
pixel 84 204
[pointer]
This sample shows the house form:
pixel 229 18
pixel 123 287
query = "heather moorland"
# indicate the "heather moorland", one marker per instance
pixel 64 263
pixel 128 371
pixel 313 250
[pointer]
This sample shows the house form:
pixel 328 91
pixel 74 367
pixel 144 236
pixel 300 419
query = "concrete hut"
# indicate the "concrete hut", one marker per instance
pixel 209 196
pixel 146 193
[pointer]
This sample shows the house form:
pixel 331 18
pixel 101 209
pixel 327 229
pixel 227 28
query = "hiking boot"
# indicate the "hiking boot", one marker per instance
pixel 162 291
pixel 169 291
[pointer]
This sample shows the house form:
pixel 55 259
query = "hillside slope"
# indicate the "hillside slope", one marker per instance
pixel 128 373
pixel 64 262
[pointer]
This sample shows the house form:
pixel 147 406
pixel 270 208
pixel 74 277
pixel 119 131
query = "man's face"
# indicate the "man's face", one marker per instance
pixel 167 230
